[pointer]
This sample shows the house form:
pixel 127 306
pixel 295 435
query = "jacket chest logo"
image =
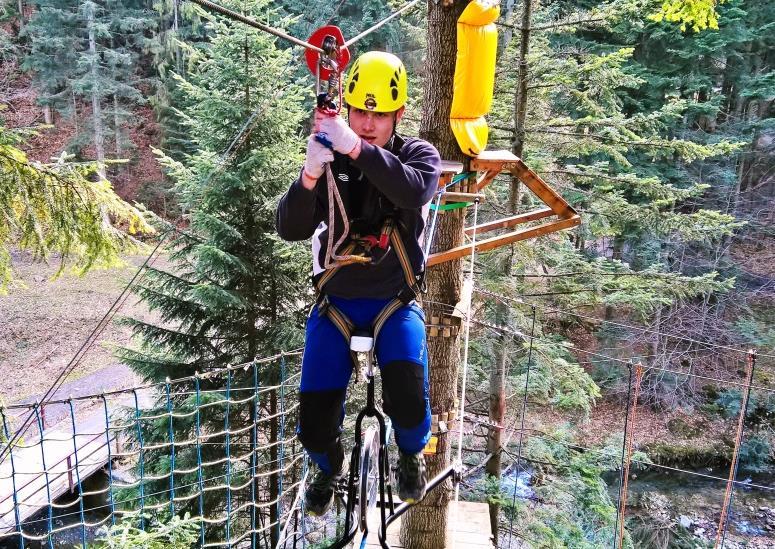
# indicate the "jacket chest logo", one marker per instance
pixel 343 177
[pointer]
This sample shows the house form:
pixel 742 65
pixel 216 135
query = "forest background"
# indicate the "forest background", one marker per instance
pixel 660 134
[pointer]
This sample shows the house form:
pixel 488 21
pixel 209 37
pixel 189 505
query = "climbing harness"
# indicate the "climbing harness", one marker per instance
pixel 414 284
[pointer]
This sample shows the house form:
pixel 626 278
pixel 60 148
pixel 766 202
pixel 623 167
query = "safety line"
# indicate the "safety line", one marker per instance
pixel 616 359
pixel 295 458
pixel 84 348
pixel 619 324
pixel 118 303
pixel 629 438
pixel 256 24
pixel 466 341
pixel 522 420
pixel 729 493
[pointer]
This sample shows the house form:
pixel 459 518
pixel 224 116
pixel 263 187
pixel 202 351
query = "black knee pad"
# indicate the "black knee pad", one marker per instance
pixel 320 417
pixel 403 392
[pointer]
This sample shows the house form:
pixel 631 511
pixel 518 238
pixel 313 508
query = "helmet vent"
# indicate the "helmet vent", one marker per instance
pixel 394 88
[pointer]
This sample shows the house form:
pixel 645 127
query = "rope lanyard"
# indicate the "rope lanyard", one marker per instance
pixel 332 259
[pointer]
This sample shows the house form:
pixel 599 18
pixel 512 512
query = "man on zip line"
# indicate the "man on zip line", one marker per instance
pixel 386 183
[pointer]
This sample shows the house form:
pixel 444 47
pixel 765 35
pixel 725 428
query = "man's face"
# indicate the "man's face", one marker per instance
pixel 374 127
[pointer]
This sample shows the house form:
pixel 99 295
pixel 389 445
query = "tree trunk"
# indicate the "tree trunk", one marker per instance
pixel 117 125
pixel 99 139
pixel 497 411
pixel 520 99
pixel 425 525
pixel 75 111
pixel 506 33
pixel 48 117
pixel 616 255
pixel 176 34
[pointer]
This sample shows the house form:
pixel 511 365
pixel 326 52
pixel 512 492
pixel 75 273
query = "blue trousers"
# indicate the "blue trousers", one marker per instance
pixel 402 357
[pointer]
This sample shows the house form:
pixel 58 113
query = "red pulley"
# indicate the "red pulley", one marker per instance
pixel 317 39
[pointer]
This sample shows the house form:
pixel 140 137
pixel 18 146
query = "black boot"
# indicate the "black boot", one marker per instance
pixel 411 477
pixel 320 492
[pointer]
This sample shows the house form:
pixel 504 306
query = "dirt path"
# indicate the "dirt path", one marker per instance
pixel 45 321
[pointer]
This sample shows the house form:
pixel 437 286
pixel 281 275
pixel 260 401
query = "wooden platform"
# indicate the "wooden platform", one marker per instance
pixel 35 488
pixel 471 530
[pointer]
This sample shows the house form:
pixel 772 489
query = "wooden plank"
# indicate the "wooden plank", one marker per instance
pixel 503 240
pixel 485 157
pixel 509 221
pixel 469 523
pixel 30 477
pixel 449 170
pixel 461 197
pixel 491 163
pixel 487 177
pixel 448 166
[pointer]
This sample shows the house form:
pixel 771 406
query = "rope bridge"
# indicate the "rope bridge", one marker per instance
pixel 163 457
pixel 220 447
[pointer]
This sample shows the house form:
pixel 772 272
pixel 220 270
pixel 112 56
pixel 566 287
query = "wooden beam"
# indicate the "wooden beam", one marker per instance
pixel 503 240
pixel 539 188
pixel 491 163
pixel 461 197
pixel 509 221
pixel 487 177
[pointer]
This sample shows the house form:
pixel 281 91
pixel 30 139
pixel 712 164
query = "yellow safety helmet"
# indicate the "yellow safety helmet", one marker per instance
pixel 377 82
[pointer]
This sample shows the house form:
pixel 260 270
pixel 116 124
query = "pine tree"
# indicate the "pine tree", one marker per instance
pixel 53 34
pixel 236 288
pixel 86 50
pixel 59 208
pixel 629 172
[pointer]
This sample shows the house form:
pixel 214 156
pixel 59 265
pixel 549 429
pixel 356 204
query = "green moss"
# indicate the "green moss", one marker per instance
pixel 687 456
pixel 683 428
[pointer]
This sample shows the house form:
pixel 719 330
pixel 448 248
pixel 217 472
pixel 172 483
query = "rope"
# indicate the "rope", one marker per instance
pixel 255 24
pixel 85 457
pixel 466 346
pixel 608 357
pixel 522 424
pixel 621 324
pixel 722 522
pixel 226 156
pixel 297 503
pixel 332 259
pixel 83 349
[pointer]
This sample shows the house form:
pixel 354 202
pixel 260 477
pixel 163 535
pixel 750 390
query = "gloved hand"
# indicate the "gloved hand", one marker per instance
pixel 317 155
pixel 342 137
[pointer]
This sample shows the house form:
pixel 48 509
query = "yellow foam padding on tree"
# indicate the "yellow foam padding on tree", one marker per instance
pixel 477 44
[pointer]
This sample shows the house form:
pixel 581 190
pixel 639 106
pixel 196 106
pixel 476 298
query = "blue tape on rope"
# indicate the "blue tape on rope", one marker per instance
pixel 78 478
pixel 141 461
pixel 13 483
pixel 172 451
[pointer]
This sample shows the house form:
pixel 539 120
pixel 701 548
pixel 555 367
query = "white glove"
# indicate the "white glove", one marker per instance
pixel 317 155
pixel 341 136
